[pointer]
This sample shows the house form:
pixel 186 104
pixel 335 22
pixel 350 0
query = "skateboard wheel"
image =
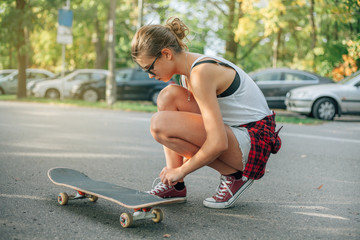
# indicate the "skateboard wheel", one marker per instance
pixel 63 198
pixel 159 215
pixel 126 220
pixel 93 198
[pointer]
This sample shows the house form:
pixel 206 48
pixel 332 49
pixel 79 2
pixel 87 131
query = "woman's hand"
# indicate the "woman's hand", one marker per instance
pixel 171 176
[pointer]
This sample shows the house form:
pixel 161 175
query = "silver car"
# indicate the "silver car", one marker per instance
pixel 326 100
pixel 9 83
pixel 52 88
pixel 276 82
pixel 5 72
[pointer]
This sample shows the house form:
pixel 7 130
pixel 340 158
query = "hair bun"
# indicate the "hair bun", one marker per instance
pixel 149 40
pixel 177 27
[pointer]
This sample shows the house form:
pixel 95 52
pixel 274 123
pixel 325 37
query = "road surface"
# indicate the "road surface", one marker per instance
pixel 311 189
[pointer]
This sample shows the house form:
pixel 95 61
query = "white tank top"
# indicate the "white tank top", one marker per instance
pixel 247 104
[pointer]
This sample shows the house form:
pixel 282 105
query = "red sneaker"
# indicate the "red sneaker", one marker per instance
pixel 165 191
pixel 229 190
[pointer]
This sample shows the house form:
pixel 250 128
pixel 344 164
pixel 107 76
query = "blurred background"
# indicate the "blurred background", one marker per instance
pixel 321 36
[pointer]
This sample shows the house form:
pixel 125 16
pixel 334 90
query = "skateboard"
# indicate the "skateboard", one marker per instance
pixel 141 202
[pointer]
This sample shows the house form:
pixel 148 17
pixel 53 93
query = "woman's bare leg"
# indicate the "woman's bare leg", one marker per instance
pixel 173 98
pixel 179 127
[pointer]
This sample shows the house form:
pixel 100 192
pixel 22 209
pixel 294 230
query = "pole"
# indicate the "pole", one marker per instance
pixel 110 81
pixel 67 7
pixel 140 13
pixel 62 72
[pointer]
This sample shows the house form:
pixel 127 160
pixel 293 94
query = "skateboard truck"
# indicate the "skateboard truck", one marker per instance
pixel 156 215
pixel 63 197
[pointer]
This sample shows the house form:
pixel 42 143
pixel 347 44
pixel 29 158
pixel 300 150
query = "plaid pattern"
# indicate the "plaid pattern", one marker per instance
pixel 264 140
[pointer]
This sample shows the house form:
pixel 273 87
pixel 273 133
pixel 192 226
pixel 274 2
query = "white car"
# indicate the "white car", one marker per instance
pixel 9 83
pixel 6 72
pixel 326 100
pixel 53 88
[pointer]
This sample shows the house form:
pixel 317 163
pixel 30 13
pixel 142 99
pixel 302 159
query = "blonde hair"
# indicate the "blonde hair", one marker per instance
pixel 149 40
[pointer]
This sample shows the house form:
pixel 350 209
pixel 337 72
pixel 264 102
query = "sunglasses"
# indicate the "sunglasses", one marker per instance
pixel 152 66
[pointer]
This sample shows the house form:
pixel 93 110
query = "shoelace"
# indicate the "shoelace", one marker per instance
pixel 223 188
pixel 160 187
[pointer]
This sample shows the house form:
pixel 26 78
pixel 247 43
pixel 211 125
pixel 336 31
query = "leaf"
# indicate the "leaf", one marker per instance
pixel 166 236
pixel 320 187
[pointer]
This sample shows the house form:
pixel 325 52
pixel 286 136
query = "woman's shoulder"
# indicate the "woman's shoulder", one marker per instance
pixel 198 58
pixel 206 70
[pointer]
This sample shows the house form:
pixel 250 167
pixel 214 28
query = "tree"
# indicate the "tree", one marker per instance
pixel 313 32
pixel 21 49
pixel 302 34
pixel 351 60
pixel 16 31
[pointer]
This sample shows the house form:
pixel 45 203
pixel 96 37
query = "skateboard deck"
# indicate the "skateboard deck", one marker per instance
pixel 141 202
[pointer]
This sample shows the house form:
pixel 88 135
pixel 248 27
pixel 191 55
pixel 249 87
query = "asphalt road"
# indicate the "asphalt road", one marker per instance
pixel 311 189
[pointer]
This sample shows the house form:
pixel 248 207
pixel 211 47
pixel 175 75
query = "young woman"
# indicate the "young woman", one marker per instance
pixel 217 118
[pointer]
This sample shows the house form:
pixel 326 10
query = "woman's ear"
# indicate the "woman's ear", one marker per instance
pixel 167 53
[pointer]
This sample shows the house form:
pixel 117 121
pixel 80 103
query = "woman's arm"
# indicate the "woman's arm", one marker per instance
pixel 204 84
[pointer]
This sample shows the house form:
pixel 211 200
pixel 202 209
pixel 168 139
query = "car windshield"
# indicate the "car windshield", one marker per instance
pixel 348 80
pixel 66 73
pixel 123 75
pixel 4 74
pixel 11 74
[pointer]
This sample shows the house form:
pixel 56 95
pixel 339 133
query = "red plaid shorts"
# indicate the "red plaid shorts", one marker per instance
pixel 264 140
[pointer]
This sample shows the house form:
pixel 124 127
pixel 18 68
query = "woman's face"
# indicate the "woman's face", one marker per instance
pixel 158 67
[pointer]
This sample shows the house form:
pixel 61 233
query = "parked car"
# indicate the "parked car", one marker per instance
pixel 52 88
pixel 131 84
pixel 276 82
pixel 9 84
pixel 31 84
pixel 325 101
pixel 5 72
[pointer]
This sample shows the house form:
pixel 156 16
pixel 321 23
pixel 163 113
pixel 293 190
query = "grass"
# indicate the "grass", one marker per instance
pixel 147 106
pixel 138 106
pixel 297 119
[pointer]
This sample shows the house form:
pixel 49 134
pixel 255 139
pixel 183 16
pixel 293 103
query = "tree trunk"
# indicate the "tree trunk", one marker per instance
pixel 358 20
pixel 21 53
pixel 10 58
pixel 101 51
pixel 231 45
pixel 276 48
pixel 335 31
pixel 313 33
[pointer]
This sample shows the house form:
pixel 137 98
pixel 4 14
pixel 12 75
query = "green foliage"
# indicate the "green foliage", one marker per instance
pixel 264 31
pixel 351 60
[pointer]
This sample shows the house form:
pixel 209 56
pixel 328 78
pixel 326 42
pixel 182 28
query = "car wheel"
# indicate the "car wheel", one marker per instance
pixel 154 97
pixel 324 109
pixel 90 95
pixel 52 94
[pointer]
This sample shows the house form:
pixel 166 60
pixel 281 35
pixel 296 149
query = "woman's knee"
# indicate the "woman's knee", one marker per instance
pixel 168 96
pixel 157 123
